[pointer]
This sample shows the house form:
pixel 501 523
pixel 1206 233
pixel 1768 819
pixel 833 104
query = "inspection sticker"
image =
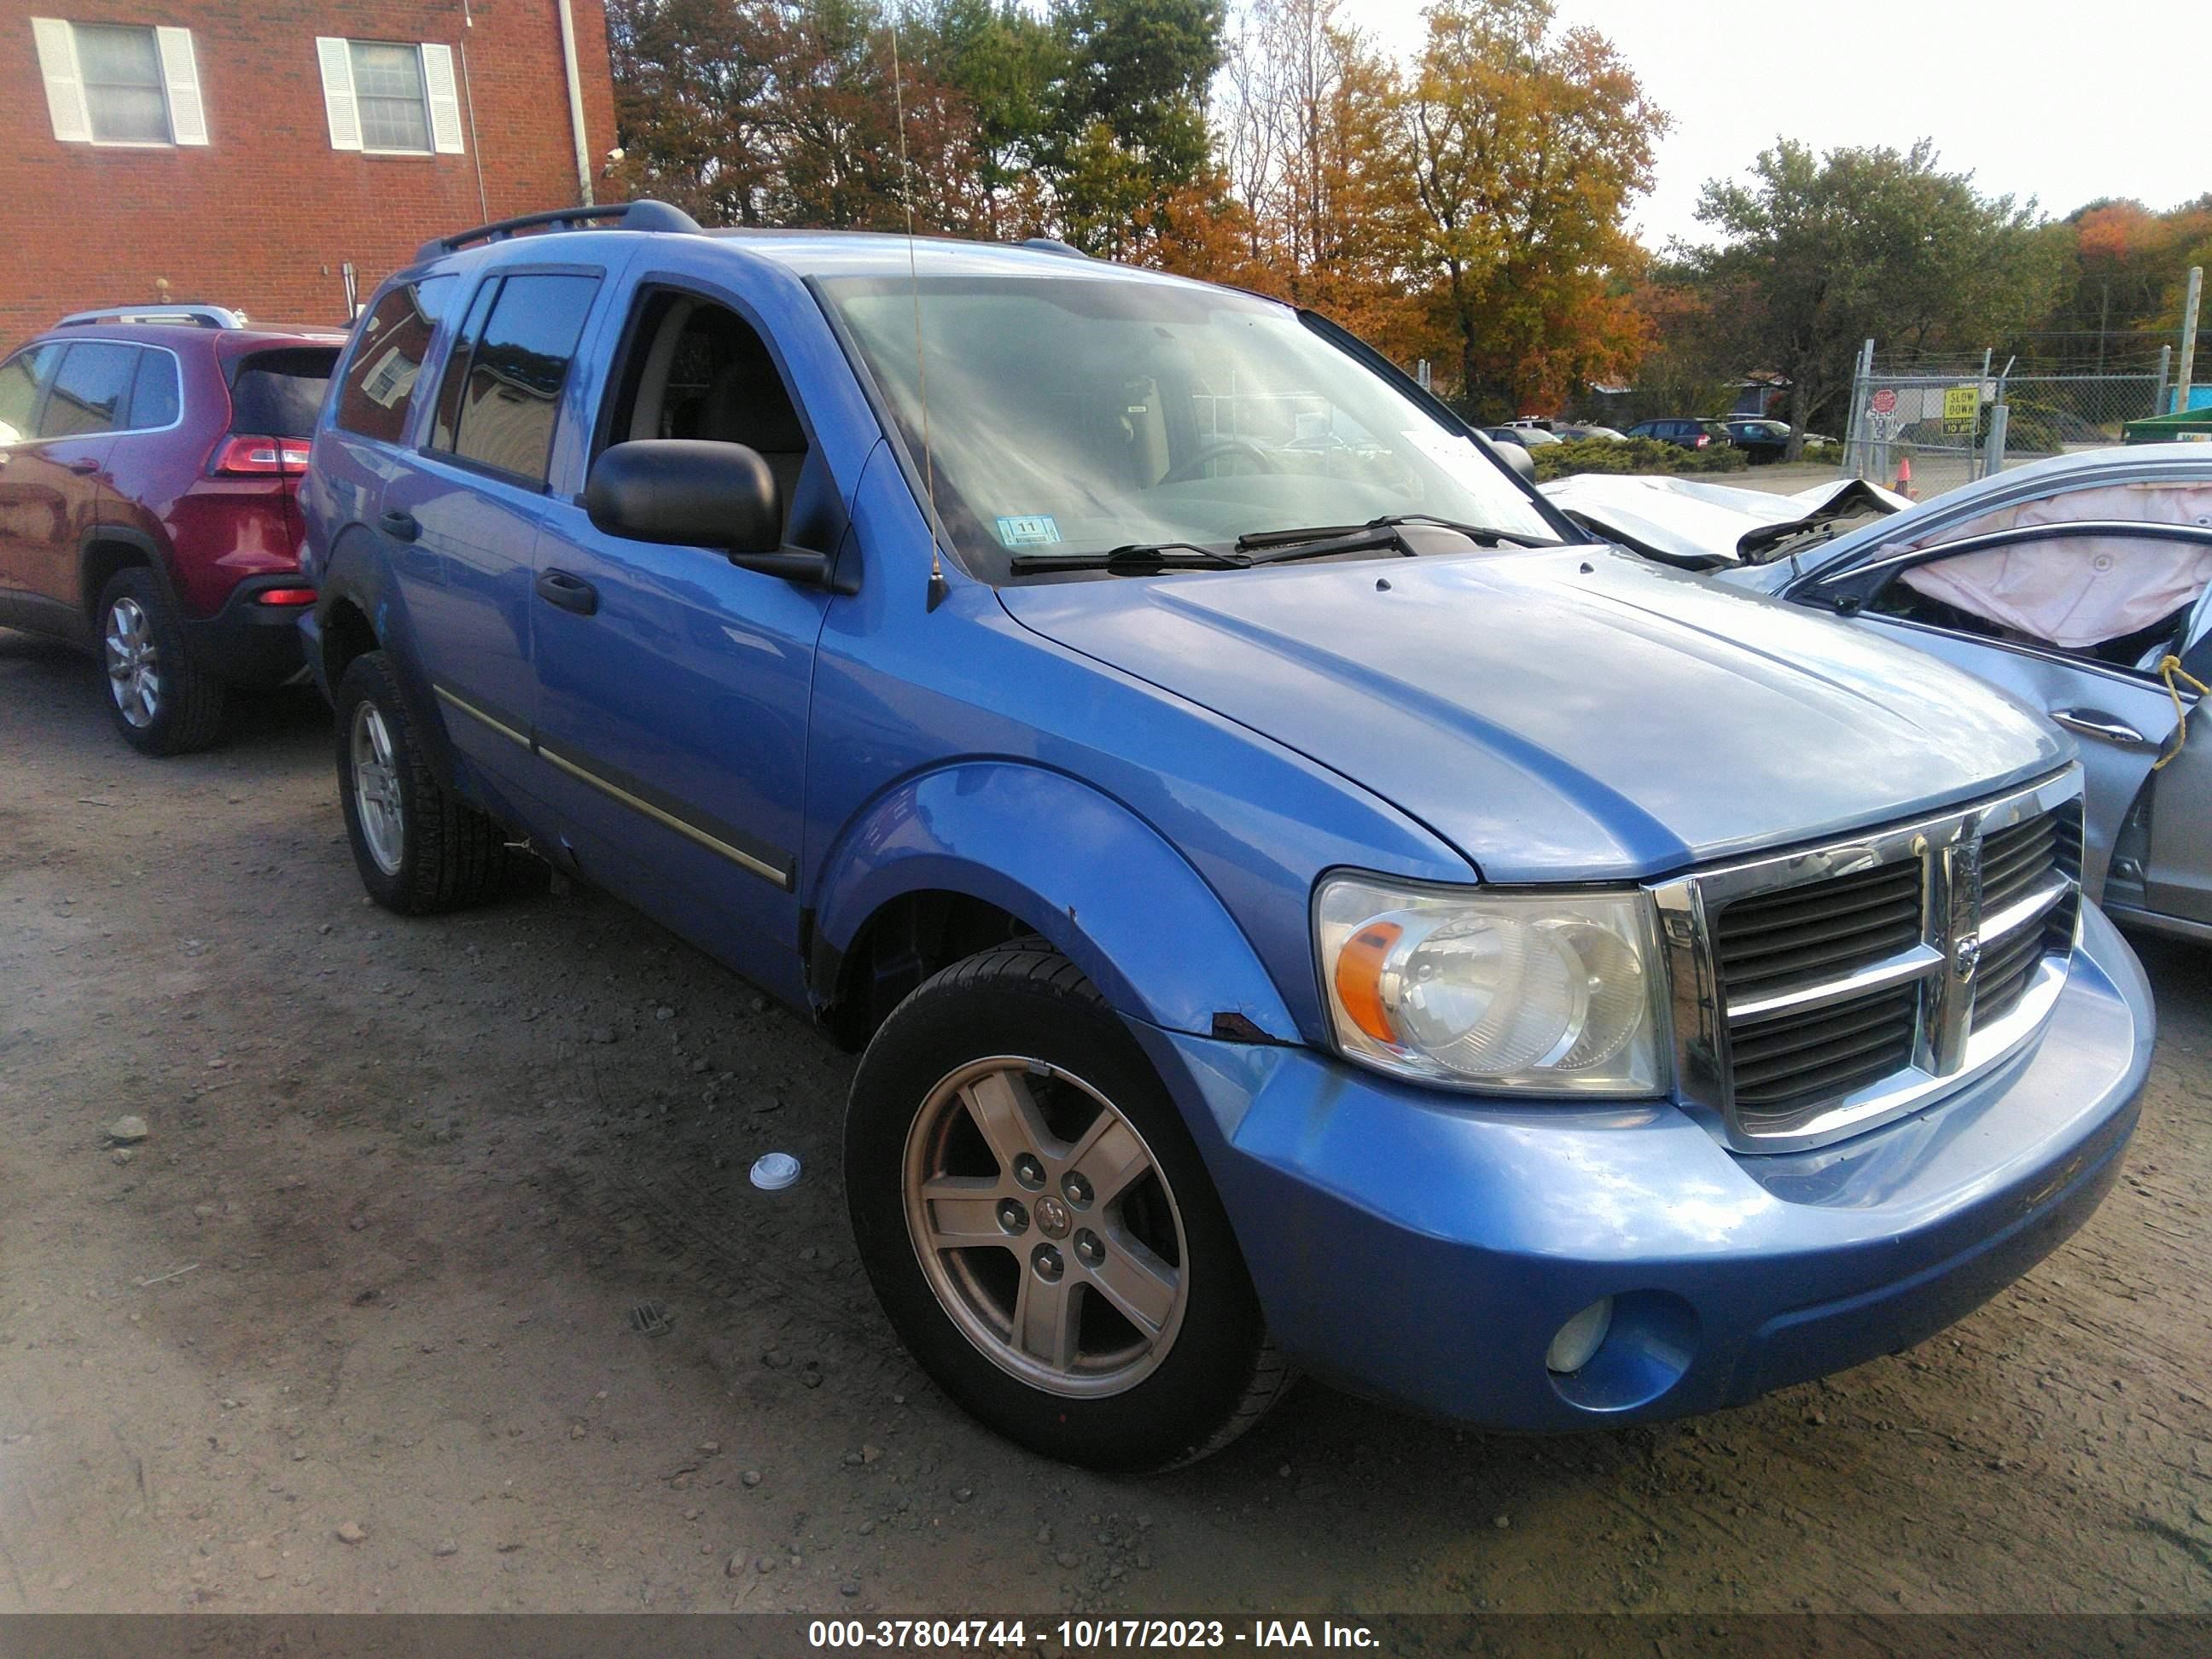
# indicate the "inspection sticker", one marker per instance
pixel 1031 530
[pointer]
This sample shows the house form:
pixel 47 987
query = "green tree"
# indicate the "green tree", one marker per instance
pixel 1009 63
pixel 1129 115
pixel 1822 252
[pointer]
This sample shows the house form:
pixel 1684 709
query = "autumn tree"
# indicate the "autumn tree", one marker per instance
pixel 1309 141
pixel 2124 269
pixel 1525 145
pixel 1820 252
pixel 694 103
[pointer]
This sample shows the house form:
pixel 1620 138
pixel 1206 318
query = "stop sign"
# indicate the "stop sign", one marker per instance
pixel 1883 402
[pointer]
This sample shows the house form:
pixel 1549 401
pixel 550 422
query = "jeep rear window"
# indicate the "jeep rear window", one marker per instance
pixel 1070 414
pixel 276 394
pixel 377 394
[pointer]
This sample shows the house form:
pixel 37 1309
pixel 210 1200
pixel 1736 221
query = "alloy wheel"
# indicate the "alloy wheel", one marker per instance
pixel 1046 1226
pixel 376 788
pixel 133 663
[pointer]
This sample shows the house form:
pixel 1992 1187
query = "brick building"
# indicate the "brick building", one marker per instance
pixel 240 156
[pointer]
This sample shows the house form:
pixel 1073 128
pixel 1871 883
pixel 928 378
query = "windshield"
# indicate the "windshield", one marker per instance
pixel 1072 414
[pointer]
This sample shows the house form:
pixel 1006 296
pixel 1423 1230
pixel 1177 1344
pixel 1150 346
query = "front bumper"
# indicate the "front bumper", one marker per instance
pixel 1424 1248
pixel 248 643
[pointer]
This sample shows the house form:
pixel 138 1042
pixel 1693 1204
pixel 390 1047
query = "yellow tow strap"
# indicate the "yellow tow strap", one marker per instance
pixel 2171 671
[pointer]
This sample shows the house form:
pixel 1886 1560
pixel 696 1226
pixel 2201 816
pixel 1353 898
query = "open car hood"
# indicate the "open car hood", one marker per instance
pixel 1568 714
pixel 1688 521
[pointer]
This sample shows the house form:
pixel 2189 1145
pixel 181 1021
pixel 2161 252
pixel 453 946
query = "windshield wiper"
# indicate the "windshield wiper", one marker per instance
pixel 1134 559
pixel 1376 532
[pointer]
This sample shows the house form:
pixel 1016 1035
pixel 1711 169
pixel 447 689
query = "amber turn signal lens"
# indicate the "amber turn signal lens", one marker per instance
pixel 1360 978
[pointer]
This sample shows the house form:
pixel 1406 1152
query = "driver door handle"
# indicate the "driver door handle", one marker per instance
pixel 83 464
pixel 2096 723
pixel 569 592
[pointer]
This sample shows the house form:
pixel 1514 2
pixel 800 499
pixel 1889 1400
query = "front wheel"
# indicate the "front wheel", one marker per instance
pixel 1040 1228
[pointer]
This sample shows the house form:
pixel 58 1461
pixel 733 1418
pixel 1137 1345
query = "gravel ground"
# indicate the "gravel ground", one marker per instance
pixel 436 1284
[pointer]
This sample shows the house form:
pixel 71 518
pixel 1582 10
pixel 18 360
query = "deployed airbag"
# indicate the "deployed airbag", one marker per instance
pixel 2077 592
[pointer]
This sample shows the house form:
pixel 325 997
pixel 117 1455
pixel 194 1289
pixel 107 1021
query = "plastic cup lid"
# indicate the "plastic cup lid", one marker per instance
pixel 772 1171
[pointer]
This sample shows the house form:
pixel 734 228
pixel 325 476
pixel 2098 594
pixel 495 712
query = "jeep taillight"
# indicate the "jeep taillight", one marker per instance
pixel 1704 438
pixel 248 456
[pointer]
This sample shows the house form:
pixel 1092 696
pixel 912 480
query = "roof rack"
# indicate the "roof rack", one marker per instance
pixel 634 215
pixel 186 316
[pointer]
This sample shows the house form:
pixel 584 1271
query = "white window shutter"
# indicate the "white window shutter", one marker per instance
pixel 336 59
pixel 445 100
pixel 56 44
pixel 181 75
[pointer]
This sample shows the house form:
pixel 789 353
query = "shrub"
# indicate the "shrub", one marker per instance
pixel 1633 455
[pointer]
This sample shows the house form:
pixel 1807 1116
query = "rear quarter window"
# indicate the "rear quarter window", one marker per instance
pixel 276 394
pixel 153 393
pixel 21 377
pixel 377 394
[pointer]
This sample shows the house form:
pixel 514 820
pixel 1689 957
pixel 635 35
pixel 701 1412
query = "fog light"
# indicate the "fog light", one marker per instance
pixel 1574 1342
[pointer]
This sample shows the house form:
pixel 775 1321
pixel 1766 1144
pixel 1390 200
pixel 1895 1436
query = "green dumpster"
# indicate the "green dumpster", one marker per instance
pixel 2183 426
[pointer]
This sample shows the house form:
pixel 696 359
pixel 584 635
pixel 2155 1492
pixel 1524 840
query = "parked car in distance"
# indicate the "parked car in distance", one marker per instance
pixel 149 460
pixel 2082 584
pixel 1575 432
pixel 1529 437
pixel 1761 441
pixel 1687 433
pixel 1334 917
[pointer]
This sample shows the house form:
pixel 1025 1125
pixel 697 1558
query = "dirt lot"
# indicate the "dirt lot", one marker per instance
pixel 411 1190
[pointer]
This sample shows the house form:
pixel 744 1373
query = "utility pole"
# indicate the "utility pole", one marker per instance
pixel 2189 335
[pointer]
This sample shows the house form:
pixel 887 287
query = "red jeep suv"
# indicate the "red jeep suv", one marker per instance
pixel 148 462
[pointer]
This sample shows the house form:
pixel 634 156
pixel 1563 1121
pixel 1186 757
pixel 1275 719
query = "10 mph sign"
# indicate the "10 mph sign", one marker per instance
pixel 1962 410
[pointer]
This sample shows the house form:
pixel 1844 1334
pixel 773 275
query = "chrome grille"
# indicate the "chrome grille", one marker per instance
pixel 1778 1064
pixel 1803 935
pixel 1816 993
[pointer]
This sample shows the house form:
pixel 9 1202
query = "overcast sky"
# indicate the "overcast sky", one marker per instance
pixel 2063 102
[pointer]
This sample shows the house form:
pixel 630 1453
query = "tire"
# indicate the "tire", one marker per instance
pixel 162 703
pixel 1045 1060
pixel 419 847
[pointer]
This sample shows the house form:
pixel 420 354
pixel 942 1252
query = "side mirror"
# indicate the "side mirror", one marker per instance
pixel 1515 456
pixel 694 493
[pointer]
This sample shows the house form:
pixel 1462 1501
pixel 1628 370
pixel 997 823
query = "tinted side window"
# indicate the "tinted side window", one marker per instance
pixel 91 389
pixel 277 393
pixel 457 367
pixel 377 392
pixel 154 396
pixel 512 397
pixel 20 377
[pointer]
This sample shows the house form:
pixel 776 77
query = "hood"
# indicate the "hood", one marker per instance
pixel 1689 521
pixel 1565 713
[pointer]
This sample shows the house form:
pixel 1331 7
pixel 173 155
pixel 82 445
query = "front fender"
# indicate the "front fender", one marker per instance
pixel 1089 875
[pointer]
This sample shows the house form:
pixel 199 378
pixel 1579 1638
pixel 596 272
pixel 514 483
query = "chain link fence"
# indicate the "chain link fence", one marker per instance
pixel 1933 427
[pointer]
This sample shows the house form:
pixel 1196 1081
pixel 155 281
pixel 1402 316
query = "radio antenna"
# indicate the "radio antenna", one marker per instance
pixel 920 357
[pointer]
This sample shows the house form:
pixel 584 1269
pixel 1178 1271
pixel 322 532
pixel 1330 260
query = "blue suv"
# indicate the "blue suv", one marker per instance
pixel 1304 905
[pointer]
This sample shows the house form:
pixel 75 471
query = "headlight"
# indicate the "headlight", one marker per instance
pixel 1549 993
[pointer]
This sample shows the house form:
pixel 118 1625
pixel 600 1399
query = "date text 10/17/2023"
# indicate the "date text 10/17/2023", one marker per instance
pixel 1083 1635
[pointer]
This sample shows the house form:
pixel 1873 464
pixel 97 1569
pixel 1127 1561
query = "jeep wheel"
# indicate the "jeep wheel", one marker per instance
pixel 419 849
pixel 1040 1227
pixel 161 703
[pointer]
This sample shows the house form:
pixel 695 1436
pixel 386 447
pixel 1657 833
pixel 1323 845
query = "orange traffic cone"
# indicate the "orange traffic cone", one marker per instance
pixel 1904 478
